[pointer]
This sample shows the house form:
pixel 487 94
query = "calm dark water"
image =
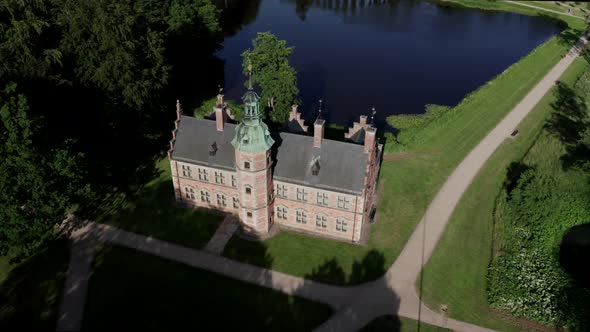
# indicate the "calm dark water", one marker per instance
pixel 395 56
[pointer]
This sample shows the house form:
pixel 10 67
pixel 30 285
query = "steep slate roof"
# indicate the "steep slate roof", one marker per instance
pixel 342 164
pixel 194 139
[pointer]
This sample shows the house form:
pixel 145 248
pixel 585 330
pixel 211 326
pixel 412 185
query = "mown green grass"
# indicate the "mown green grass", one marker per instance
pixel 410 182
pixel 456 273
pixel 130 290
pixel 399 324
pixel 154 213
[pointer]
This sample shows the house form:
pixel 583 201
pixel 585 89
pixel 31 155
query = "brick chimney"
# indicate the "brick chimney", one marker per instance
pixel 370 133
pixel 318 133
pixel 293 114
pixel 220 114
pixel 363 122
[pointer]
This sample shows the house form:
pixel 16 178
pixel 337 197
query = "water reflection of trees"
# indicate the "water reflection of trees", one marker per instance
pixel 236 14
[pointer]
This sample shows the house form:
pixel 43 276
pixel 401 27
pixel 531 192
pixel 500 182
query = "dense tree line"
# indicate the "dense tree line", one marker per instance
pixel 85 99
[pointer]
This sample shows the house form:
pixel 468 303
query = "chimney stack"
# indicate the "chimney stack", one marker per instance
pixel 220 114
pixel 293 114
pixel 318 133
pixel 370 133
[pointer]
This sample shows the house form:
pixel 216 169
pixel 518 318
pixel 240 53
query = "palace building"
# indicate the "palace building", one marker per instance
pixel 285 178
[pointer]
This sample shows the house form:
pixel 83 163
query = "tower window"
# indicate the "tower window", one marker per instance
pixel 236 203
pixel 234 181
pixel 249 214
pixel 246 164
pixel 248 190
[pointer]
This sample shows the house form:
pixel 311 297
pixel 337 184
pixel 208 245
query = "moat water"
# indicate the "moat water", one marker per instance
pixel 395 56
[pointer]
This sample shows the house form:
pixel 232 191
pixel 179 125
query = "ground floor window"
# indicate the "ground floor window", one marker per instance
pixel 301 217
pixel 341 225
pixel 205 196
pixel 321 221
pixel 189 192
pixel 282 212
pixel 221 201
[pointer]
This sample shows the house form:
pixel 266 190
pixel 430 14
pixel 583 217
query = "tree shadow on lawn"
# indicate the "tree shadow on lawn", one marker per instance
pixel 155 213
pixel 574 299
pixel 31 293
pixel 569 123
pixel 131 289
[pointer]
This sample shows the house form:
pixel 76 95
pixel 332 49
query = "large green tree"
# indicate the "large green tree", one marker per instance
pixel 269 59
pixel 98 76
pixel 36 186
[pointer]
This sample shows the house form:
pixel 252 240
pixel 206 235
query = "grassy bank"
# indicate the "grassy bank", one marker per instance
pixel 409 180
pixel 456 273
pixel 130 290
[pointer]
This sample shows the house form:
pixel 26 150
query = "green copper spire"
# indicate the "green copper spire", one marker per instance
pixel 252 134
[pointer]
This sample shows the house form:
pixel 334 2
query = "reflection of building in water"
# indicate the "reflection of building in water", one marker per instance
pixel 388 15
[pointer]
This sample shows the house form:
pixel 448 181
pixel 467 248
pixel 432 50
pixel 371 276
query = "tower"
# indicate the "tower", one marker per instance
pixel 252 143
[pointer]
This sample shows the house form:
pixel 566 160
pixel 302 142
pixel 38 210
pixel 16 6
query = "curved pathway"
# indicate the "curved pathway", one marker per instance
pixel 354 307
pixel 544 9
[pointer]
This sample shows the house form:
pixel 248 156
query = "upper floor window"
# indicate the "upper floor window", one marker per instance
pixel 301 217
pixel 321 221
pixel 281 190
pixel 234 181
pixel 219 177
pixel 282 212
pixel 248 190
pixel 186 171
pixel 322 199
pixel 189 192
pixel 205 197
pixel 301 194
pixel 343 202
pixel 221 200
pixel 236 203
pixel 246 165
pixel 341 225
pixel 203 175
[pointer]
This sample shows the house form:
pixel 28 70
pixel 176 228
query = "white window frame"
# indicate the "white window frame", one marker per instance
pixel 341 225
pixel 205 196
pixel 321 220
pixel 301 194
pixel 189 192
pixel 187 171
pixel 282 212
pixel 343 202
pixel 301 216
pixel 322 198
pixel 203 174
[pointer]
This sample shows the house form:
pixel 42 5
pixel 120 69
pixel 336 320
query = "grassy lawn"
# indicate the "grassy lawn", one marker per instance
pixel 579 10
pixel 31 292
pixel 154 213
pixel 399 324
pixel 410 182
pixel 461 283
pixel 130 290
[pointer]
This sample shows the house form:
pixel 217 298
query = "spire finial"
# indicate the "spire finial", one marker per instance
pixel 320 110
pixel 373 115
pixel 178 108
pixel 249 74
